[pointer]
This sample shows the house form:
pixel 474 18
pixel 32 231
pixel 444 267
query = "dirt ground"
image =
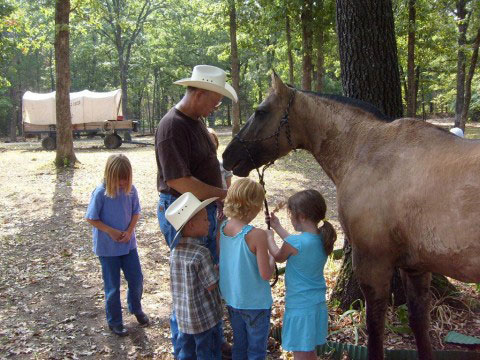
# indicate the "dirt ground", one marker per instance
pixel 51 295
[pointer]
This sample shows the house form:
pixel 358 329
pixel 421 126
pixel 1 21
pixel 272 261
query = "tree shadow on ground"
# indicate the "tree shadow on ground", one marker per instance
pixel 53 303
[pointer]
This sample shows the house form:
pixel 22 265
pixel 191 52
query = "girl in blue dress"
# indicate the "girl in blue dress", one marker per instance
pixel 245 268
pixel 113 212
pixel 305 321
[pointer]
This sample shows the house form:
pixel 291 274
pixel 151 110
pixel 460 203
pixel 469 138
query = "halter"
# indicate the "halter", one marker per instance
pixel 276 134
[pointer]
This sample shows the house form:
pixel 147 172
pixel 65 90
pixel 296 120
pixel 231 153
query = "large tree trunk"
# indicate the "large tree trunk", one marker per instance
pixel 65 154
pixel 307 42
pixel 468 81
pixel 411 93
pixel 368 54
pixel 461 60
pixel 235 67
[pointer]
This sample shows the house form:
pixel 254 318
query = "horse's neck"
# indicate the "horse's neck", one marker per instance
pixel 332 131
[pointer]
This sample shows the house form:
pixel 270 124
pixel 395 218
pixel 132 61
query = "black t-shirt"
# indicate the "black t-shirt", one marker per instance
pixel 183 147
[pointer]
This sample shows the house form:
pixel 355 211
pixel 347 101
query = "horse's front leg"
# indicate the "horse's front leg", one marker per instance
pixel 374 278
pixel 417 287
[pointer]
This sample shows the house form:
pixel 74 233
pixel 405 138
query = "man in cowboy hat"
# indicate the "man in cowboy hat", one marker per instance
pixel 185 154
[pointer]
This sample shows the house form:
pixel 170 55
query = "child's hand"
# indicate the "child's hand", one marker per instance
pixel 126 236
pixel 115 234
pixel 274 221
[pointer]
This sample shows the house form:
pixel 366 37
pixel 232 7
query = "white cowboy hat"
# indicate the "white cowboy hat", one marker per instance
pixel 182 210
pixel 209 78
pixel 457 131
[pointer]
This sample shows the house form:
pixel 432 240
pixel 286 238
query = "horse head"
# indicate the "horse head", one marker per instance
pixel 267 135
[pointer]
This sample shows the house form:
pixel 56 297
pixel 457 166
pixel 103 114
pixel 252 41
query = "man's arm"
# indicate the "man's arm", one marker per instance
pixel 198 188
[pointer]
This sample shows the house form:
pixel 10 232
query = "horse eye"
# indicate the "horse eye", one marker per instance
pixel 260 112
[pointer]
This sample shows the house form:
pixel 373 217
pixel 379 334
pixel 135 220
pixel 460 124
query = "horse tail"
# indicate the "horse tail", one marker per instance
pixel 329 236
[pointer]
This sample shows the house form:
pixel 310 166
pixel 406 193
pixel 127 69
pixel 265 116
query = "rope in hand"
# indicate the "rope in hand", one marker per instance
pixel 267 213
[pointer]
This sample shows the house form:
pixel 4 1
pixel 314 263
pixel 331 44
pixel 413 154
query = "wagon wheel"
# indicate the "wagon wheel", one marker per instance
pixel 112 141
pixel 49 143
pixel 119 140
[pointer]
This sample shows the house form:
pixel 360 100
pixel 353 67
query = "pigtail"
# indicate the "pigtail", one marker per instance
pixel 329 236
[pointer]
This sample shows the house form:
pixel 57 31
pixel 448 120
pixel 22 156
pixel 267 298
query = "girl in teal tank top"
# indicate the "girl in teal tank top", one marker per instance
pixel 245 268
pixel 305 321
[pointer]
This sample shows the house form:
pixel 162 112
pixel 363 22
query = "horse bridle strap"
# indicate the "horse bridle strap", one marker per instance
pixel 276 134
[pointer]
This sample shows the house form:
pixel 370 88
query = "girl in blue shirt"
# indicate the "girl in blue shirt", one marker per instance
pixel 113 212
pixel 305 321
pixel 245 268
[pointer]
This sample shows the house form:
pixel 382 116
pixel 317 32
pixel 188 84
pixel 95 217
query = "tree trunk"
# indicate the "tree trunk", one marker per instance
pixel 65 154
pixel 51 67
pixel 411 105
pixel 468 81
pixel 320 37
pixel 307 41
pixel 124 85
pixel 235 67
pixel 288 31
pixel 368 54
pixel 13 117
pixel 461 60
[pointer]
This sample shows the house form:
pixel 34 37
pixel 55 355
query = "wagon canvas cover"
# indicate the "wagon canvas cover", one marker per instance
pixel 86 107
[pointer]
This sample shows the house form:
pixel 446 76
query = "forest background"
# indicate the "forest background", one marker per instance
pixel 143 46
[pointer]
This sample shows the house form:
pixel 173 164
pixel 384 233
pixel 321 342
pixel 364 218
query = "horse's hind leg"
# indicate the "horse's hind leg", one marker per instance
pixel 417 287
pixel 374 280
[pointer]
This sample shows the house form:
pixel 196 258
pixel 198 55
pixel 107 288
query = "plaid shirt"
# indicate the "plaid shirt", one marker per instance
pixel 191 273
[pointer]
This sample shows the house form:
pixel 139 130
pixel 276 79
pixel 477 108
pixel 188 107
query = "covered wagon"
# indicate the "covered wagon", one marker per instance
pixel 93 113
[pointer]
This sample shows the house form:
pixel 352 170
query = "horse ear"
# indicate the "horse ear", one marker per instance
pixel 277 83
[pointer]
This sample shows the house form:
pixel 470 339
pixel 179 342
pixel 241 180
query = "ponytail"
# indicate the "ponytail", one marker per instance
pixel 329 235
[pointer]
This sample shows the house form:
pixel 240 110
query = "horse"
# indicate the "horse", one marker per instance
pixel 408 193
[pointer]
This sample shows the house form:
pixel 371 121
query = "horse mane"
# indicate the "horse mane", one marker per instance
pixel 363 105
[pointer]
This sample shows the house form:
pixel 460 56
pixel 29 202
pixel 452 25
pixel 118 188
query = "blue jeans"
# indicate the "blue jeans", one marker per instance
pixel 250 333
pixel 130 265
pixel 204 346
pixel 169 233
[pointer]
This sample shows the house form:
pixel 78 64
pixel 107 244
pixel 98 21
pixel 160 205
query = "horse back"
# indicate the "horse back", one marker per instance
pixel 412 194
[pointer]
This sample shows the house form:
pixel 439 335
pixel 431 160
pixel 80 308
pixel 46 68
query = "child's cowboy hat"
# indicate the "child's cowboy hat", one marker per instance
pixel 182 210
pixel 210 78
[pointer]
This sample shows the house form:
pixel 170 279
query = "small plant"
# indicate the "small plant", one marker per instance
pixel 401 313
pixel 357 318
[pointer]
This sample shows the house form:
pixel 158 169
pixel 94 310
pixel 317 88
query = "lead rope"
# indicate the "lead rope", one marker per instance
pixel 267 212
pixel 262 182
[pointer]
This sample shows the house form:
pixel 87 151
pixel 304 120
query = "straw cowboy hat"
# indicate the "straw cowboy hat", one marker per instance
pixel 210 78
pixel 182 210
pixel 457 131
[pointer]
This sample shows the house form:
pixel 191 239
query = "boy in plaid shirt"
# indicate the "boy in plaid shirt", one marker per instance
pixel 194 282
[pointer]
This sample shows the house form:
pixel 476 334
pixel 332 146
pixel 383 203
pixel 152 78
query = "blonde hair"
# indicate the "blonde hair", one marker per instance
pixel 311 204
pixel 243 197
pixel 214 136
pixel 118 168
